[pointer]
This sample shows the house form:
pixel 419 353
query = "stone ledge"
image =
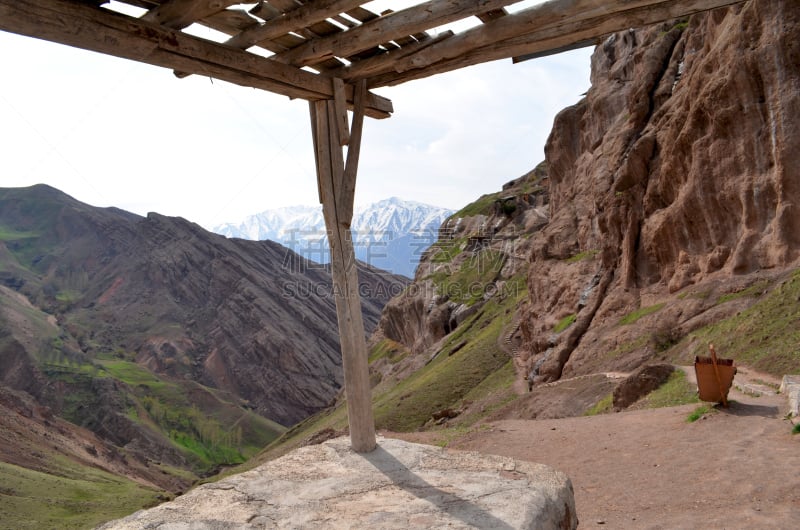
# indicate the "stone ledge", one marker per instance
pixel 790 386
pixel 399 485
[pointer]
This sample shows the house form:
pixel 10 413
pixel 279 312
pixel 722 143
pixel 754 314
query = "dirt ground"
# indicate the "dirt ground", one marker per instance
pixel 737 468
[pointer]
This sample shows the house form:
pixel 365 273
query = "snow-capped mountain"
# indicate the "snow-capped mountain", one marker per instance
pixel 390 234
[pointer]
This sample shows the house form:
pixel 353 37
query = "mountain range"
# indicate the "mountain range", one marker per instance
pixel 391 234
pixel 175 344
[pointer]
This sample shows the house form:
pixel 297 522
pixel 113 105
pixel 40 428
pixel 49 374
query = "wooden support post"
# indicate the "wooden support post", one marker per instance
pixel 340 102
pixel 337 207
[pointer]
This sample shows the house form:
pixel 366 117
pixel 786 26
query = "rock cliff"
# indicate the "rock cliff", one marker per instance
pixel 677 171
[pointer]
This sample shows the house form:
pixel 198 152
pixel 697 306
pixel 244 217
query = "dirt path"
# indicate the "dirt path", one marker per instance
pixel 735 469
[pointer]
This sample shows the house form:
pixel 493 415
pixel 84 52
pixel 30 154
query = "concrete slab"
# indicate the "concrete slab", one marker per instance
pixel 399 485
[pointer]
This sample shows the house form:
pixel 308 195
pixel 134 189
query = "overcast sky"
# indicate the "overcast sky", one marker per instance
pixel 112 132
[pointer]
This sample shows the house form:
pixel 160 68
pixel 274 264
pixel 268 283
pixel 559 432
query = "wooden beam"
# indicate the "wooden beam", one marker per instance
pixel 553 51
pixel 100 30
pixel 312 108
pixel 393 26
pixel 301 17
pixel 178 14
pixel 550 26
pixel 345 278
pixel 353 152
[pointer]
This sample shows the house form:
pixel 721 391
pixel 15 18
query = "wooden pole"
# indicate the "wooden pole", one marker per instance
pixel 723 394
pixel 337 206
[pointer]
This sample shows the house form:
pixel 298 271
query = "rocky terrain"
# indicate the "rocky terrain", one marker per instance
pixel 666 205
pixel 662 219
pixel 481 254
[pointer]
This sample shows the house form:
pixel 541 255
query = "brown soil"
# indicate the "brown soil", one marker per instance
pixel 736 468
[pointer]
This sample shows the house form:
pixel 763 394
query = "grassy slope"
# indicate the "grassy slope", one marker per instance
pixel 210 427
pixel 75 496
pixel 469 369
pixel 217 431
pixel 447 380
pixel 765 335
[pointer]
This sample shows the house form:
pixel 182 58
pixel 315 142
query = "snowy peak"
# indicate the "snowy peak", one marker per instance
pixel 389 234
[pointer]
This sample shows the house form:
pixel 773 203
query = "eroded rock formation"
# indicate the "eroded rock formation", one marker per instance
pixel 481 251
pixel 680 166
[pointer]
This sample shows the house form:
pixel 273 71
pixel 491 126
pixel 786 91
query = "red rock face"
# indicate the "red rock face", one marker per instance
pixel 681 165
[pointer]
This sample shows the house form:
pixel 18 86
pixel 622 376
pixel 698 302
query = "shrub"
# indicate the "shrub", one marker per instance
pixel 633 316
pixel 565 322
pixel 665 337
pixel 698 413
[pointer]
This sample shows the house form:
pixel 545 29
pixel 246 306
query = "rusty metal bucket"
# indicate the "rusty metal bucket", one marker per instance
pixel 714 377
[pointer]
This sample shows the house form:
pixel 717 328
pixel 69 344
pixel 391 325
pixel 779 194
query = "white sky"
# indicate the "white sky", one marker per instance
pixel 112 132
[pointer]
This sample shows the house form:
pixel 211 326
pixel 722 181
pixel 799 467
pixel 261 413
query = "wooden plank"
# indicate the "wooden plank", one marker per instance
pixel 362 15
pixel 345 288
pixel 371 52
pixel 344 21
pixel 548 26
pixel 179 14
pixel 393 26
pixel 405 41
pixel 230 21
pixel 492 15
pixel 378 64
pixel 101 30
pixel 308 20
pixel 265 11
pixel 340 107
pixel 144 4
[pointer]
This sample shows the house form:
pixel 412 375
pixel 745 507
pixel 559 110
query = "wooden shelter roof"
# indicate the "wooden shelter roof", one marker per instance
pixel 297 47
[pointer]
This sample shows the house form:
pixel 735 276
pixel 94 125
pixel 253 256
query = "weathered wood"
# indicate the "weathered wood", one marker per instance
pixel 230 21
pixel 552 25
pixel 345 282
pixel 395 25
pixel 312 108
pixel 178 14
pixel 492 15
pixel 340 106
pixel 100 30
pixel 375 65
pixel 553 51
pixel 353 151
pixel 361 14
pixel 303 16
pixel 337 162
pixel 265 11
